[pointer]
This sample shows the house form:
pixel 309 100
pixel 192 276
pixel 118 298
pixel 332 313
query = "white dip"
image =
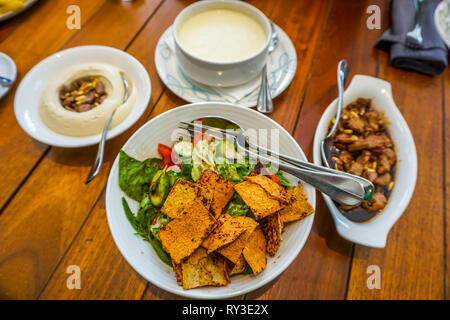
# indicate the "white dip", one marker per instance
pixel 88 123
pixel 221 35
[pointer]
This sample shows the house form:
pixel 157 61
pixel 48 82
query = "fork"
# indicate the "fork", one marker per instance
pixel 343 188
pixel 414 37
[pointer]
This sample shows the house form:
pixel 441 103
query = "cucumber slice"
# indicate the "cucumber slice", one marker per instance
pixel 183 148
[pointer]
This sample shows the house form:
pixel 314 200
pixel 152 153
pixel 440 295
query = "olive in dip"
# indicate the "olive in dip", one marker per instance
pixel 367 150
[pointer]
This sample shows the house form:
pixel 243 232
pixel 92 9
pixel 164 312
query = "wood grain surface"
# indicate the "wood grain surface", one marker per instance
pixel 446 177
pixel 50 219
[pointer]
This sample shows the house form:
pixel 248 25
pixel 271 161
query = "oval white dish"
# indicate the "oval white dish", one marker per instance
pixel 374 232
pixel 139 254
pixel 28 94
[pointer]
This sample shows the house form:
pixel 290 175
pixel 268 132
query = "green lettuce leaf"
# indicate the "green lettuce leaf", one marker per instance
pixel 238 208
pixel 283 180
pixel 185 173
pixel 234 172
pixel 247 270
pixel 142 223
pixel 135 175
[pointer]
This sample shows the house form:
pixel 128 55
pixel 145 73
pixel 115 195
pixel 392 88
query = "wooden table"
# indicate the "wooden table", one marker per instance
pixel 50 219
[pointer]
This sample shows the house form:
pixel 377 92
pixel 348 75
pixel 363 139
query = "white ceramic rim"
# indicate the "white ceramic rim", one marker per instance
pixel 203 3
pixel 11 14
pixel 190 293
pixel 76 142
pixel 445 37
pixel 385 220
pixel 14 73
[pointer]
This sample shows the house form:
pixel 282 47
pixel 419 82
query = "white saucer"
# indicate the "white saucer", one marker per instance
pixel 8 70
pixel 442 21
pixel 28 94
pixel 281 66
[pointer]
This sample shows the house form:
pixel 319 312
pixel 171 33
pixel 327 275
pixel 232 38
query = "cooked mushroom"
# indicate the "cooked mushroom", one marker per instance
pixel 366 150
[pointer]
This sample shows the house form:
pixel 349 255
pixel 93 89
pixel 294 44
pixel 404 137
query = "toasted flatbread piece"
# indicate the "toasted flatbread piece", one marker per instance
pixel 217 190
pixel 228 230
pixel 239 266
pixel 203 269
pixel 272 231
pixel 255 251
pixel 182 193
pixel 271 187
pixel 300 207
pixel 233 250
pixel 259 168
pixel 258 200
pixel 178 272
pixel 181 236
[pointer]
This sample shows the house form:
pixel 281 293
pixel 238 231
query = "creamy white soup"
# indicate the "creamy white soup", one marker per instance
pixel 222 35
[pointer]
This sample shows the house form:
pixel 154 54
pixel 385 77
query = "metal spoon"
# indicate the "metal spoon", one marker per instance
pixel 95 169
pixel 5 82
pixel 344 189
pixel 264 103
pixel 328 149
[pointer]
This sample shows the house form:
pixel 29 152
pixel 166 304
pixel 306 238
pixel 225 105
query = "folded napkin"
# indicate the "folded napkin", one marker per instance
pixel 431 59
pixel 231 94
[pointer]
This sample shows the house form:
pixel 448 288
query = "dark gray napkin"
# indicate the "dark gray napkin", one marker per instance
pixel 432 58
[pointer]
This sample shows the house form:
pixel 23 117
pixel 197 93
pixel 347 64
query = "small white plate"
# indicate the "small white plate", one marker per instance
pixel 442 21
pixel 281 66
pixel 8 70
pixel 11 14
pixel 26 102
pixel 141 256
pixel 374 232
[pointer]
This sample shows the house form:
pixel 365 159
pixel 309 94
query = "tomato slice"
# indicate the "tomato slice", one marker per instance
pixel 274 178
pixel 166 154
pixel 200 136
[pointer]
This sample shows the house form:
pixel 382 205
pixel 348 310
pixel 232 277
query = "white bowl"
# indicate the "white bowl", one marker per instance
pixel 221 74
pixel 28 94
pixel 8 70
pixel 142 145
pixel 374 232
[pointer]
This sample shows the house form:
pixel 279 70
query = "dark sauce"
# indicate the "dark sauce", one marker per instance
pixel 359 214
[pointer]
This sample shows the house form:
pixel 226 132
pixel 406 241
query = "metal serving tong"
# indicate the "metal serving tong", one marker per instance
pixel 328 149
pixel 342 187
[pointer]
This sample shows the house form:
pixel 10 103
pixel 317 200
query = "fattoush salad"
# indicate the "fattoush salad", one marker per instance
pixel 207 211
